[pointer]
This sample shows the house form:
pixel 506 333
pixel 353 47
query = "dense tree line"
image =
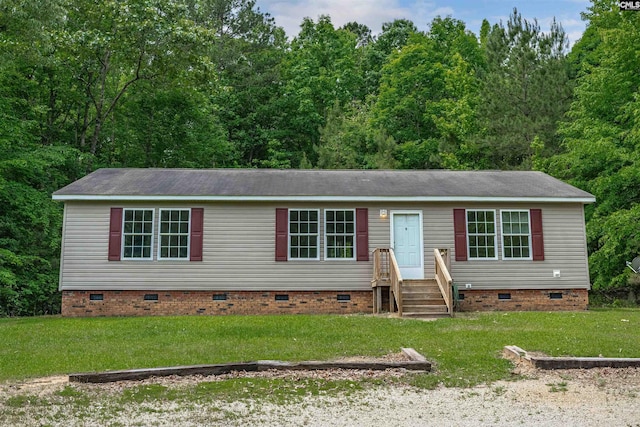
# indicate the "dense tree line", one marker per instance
pixel 216 83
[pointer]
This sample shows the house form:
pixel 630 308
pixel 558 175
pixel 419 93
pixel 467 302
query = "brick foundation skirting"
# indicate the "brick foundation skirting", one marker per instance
pixel 167 303
pixel 524 300
pixel 143 303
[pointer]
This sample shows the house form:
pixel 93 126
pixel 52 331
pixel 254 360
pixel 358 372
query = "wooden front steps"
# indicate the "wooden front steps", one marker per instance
pixel 422 299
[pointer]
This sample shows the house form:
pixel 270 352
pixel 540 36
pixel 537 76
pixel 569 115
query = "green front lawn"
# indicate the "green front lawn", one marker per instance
pixel 465 350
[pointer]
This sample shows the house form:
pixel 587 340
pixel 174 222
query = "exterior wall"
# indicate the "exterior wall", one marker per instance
pixel 239 253
pixel 565 249
pixel 524 300
pixel 132 303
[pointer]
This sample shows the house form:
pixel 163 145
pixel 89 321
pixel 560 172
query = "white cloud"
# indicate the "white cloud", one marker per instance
pixel 574 36
pixel 289 13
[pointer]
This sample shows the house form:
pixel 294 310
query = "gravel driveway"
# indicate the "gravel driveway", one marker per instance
pixel 597 397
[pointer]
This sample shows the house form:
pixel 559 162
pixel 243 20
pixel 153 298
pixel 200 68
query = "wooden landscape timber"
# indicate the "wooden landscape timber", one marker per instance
pixel 546 362
pixel 417 363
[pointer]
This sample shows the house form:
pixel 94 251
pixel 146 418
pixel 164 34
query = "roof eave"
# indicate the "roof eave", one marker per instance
pixel 306 198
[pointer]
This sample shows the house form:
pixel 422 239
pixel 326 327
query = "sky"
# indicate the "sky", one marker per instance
pixel 289 13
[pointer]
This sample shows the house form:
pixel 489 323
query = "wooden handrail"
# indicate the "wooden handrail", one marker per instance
pixel 443 278
pixel 387 273
pixel 380 277
pixel 380 266
pixel 396 281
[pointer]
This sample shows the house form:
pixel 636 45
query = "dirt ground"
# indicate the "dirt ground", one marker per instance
pixel 595 397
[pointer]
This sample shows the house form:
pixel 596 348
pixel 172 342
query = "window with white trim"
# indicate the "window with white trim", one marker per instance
pixel 173 234
pixel 481 234
pixel 516 234
pixel 303 234
pixel 340 234
pixel 137 234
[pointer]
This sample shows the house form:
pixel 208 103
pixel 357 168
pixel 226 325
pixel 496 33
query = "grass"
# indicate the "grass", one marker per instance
pixel 561 386
pixel 465 350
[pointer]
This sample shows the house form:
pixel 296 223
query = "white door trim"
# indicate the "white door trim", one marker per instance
pixel 417 272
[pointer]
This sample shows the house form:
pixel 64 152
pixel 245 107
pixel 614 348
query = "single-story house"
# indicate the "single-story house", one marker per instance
pixel 250 241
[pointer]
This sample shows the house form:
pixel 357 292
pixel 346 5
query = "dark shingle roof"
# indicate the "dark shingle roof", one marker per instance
pixel 276 184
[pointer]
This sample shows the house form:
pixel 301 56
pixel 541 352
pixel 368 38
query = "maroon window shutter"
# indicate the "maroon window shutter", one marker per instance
pixel 362 234
pixel 536 234
pixel 115 234
pixel 196 240
pixel 282 233
pixel 460 233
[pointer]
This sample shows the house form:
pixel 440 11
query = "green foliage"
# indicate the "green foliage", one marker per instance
pixel 361 31
pixel 30 224
pixel 348 141
pixel 428 95
pixel 617 240
pixel 245 85
pixel 393 38
pixel 170 128
pixel 525 90
pixel 109 48
pixel 30 169
pixel 602 141
pixel 118 83
pixel 277 158
pixel 320 70
pixel 216 83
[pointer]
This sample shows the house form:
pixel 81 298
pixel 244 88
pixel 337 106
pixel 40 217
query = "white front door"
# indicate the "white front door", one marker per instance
pixel 406 242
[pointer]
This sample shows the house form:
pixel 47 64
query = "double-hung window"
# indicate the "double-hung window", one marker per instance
pixel 339 229
pixel 137 234
pixel 346 234
pixel 481 234
pixel 173 235
pixel 304 234
pixel 132 234
pixel 516 234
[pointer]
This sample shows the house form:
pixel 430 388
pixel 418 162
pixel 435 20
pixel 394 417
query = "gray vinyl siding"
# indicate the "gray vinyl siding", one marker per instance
pixel 239 251
pixel 565 249
pixel 238 254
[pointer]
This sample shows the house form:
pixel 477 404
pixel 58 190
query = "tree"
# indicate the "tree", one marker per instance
pixel 169 126
pixel 320 70
pixel 348 141
pixel 246 52
pixel 394 36
pixel 30 224
pixel 361 31
pixel 428 96
pixel 485 30
pixel 31 74
pixel 602 140
pixel 32 161
pixel 111 46
pixel 525 91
